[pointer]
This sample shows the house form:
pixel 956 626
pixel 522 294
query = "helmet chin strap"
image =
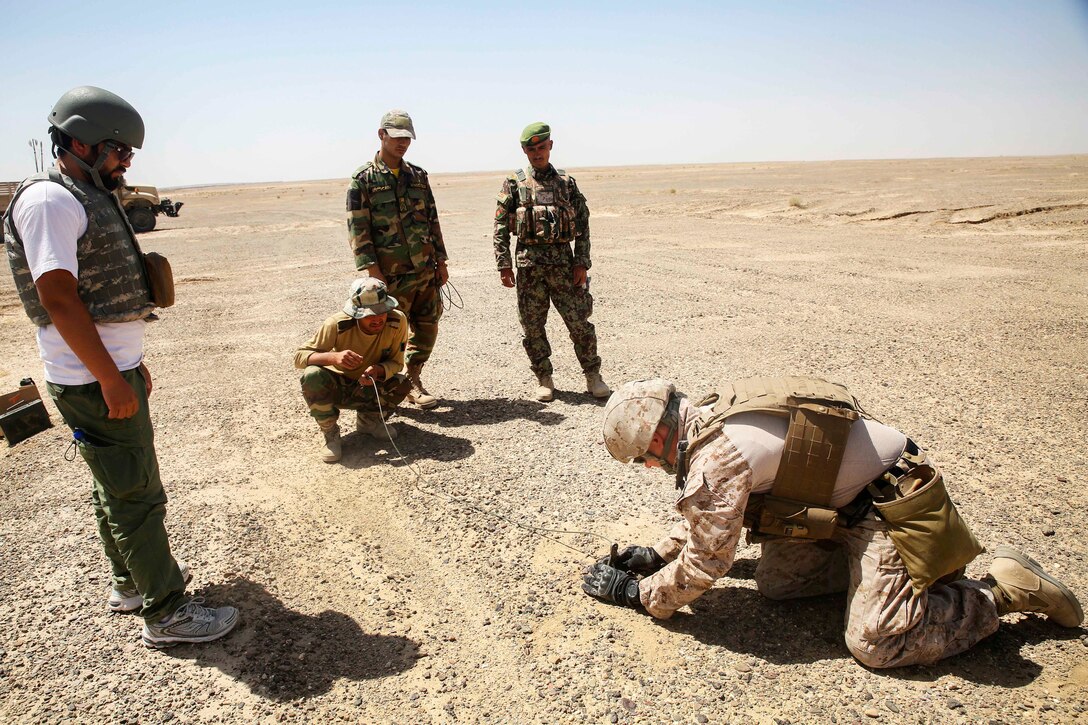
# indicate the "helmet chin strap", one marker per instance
pixel 92 171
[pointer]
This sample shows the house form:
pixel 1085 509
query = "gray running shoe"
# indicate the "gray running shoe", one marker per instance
pixel 191 622
pixel 129 600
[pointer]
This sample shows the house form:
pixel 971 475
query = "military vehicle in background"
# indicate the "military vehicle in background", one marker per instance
pixel 141 203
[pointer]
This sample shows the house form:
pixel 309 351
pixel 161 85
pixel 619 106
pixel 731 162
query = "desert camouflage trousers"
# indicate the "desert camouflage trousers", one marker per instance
pixel 327 393
pixel 418 298
pixel 887 624
pixel 554 284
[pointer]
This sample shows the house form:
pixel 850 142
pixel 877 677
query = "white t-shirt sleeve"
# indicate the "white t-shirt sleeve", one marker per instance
pixel 49 221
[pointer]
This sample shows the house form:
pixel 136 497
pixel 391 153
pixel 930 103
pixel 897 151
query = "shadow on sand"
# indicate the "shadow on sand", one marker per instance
pixel 482 411
pixel 801 631
pixel 281 654
pixel 362 451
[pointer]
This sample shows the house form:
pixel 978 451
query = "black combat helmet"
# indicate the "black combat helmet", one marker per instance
pixel 93 115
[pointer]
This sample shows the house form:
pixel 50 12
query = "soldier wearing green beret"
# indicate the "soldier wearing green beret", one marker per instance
pixel 542 206
pixel 395 236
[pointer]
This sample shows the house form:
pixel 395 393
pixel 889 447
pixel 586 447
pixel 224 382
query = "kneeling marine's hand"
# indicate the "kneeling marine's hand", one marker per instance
pixel 638 560
pixel 611 585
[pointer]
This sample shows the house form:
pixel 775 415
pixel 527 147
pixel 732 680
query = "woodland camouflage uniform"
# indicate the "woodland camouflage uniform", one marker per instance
pixel 407 252
pixel 545 268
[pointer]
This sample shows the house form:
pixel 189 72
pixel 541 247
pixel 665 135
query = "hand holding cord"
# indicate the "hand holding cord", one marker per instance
pixel 612 585
pixel 637 560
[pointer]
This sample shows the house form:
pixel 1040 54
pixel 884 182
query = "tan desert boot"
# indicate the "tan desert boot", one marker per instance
pixel 330 452
pixel 1020 585
pixel 596 387
pixel 545 389
pixel 371 424
pixel 418 395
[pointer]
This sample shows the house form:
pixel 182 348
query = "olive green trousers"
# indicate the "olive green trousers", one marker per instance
pixel 129 501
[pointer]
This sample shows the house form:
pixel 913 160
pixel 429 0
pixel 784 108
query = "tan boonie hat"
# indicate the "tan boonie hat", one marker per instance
pixel 398 124
pixel 368 297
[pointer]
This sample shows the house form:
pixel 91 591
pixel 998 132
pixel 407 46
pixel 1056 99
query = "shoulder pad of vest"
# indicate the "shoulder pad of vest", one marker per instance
pixel 344 322
pixel 416 169
pixel 562 173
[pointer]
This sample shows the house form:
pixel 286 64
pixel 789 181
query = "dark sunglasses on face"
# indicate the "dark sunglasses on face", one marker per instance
pixel 124 151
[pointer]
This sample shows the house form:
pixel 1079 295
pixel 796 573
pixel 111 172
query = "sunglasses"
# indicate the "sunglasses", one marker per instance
pixel 124 151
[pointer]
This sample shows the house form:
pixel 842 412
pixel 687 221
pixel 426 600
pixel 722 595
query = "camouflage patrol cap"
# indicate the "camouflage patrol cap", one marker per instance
pixel 536 132
pixel 631 417
pixel 398 124
pixel 368 296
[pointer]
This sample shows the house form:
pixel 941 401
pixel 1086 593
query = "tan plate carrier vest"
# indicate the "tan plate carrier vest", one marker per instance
pixel 820 415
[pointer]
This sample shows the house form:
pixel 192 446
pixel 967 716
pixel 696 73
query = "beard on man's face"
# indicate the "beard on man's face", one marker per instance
pixel 112 180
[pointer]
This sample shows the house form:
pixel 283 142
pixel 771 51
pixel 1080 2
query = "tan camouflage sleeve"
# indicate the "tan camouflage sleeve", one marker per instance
pixel 436 229
pixel 324 340
pixel 669 547
pixel 581 227
pixel 713 506
pixel 504 211
pixel 362 246
pixel 395 362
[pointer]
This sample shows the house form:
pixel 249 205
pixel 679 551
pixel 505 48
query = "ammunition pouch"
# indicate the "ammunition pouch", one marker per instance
pixel 925 527
pixel 772 516
pixel 160 279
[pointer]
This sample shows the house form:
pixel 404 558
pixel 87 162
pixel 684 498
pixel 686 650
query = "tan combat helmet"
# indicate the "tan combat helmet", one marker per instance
pixel 632 415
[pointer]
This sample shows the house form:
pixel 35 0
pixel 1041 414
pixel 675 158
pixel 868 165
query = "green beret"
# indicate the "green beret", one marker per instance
pixel 534 133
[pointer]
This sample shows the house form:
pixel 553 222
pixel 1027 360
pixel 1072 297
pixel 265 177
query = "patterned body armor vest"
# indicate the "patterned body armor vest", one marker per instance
pixel 820 415
pixel 111 282
pixel 543 213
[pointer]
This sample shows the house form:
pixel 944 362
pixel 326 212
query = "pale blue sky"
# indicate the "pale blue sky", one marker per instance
pixel 245 91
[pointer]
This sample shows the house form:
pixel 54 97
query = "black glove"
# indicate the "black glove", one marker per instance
pixel 611 585
pixel 639 560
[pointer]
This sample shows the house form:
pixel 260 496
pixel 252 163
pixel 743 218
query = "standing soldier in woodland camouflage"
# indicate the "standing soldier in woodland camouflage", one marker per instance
pixel 543 207
pixel 395 237
pixel 838 502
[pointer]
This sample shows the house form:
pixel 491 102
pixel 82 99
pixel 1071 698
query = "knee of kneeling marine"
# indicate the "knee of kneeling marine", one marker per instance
pixel 772 588
pixel 867 656
pixel 885 652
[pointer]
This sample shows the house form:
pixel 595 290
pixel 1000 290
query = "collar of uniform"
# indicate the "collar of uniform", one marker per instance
pixel 542 174
pixel 405 167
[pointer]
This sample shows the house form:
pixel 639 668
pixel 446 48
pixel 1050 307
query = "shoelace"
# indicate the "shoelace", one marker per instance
pixel 194 610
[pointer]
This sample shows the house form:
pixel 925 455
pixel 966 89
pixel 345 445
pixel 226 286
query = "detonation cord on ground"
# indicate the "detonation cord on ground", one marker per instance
pixel 448 497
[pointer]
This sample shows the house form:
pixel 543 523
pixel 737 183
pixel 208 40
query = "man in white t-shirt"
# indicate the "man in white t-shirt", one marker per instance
pixel 798 463
pixel 79 274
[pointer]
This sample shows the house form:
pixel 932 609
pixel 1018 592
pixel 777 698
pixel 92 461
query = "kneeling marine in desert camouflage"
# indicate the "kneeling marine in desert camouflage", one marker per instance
pixel 543 207
pixel 838 501
pixel 354 351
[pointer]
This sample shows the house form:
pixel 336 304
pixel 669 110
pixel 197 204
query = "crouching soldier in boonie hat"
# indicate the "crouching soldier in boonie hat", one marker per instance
pixel 838 502
pixel 354 352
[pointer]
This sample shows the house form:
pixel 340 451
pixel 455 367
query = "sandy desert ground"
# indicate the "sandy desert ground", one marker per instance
pixel 950 295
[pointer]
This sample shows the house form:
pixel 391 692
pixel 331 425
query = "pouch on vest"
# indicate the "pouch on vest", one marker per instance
pixel 22 413
pixel 927 530
pixel 774 516
pixel 522 225
pixel 160 279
